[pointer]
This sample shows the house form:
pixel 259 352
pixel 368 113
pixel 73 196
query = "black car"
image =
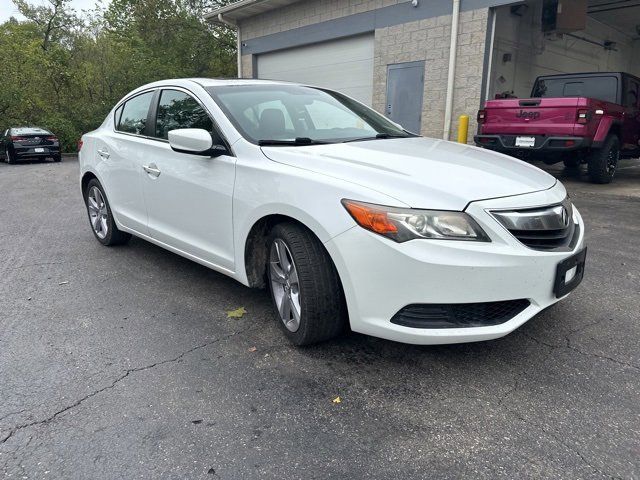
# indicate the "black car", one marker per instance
pixel 32 143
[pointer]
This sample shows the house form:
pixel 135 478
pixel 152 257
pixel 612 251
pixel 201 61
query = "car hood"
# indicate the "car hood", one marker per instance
pixel 419 172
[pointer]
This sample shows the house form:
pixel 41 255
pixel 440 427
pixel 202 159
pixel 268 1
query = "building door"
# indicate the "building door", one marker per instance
pixel 345 65
pixel 405 86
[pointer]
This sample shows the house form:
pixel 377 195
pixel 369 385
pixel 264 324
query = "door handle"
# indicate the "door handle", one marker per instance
pixel 103 153
pixel 151 169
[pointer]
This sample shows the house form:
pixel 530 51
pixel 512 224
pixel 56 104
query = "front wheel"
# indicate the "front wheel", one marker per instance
pixel 57 158
pixel 602 162
pixel 8 157
pixel 101 218
pixel 305 286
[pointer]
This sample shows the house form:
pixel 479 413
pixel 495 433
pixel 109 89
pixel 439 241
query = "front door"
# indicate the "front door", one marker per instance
pixel 189 197
pixel 405 86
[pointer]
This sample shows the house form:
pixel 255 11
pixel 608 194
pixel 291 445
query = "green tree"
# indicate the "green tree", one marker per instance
pixel 65 73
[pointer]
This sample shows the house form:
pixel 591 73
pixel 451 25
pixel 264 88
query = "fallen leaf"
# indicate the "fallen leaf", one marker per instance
pixel 337 400
pixel 253 349
pixel 237 313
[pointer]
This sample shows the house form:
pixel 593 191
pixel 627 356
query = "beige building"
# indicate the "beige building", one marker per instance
pixel 424 63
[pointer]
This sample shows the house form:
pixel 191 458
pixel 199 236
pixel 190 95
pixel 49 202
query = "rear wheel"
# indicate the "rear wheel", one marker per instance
pixel 57 158
pixel 100 216
pixel 304 285
pixel 603 162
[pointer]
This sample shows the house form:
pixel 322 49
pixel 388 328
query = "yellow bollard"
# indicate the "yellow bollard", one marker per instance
pixel 463 128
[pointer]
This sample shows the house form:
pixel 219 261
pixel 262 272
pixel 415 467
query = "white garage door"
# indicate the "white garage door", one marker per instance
pixel 345 65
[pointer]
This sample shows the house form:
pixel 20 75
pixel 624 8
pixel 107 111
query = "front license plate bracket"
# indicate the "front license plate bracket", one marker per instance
pixel 562 287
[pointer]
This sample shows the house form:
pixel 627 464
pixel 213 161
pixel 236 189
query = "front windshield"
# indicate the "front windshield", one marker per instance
pixel 264 113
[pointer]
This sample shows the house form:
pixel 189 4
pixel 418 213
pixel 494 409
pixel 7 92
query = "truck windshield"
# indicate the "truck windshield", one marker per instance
pixel 298 115
pixel 600 88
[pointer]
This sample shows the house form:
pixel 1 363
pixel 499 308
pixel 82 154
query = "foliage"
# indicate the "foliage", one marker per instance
pixel 64 72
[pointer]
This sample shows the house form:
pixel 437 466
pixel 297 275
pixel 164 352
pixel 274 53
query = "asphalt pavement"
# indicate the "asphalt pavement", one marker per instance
pixel 123 363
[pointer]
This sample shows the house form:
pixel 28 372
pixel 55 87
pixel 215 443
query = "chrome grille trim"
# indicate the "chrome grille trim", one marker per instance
pixel 541 228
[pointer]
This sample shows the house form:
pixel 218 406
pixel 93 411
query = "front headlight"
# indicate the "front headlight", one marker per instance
pixel 402 224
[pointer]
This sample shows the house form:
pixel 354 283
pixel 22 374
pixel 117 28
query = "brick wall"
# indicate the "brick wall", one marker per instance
pixel 307 12
pixel 427 40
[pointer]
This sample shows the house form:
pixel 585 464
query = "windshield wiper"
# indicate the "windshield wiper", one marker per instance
pixel 381 136
pixel 296 141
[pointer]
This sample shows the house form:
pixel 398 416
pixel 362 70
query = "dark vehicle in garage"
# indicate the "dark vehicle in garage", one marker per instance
pixel 29 143
pixel 591 118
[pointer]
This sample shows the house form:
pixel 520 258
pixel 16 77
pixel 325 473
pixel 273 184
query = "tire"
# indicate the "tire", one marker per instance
pixel 602 162
pixel 101 218
pixel 57 158
pixel 321 306
pixel 8 158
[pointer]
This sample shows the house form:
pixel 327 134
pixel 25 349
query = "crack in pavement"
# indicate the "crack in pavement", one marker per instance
pixel 127 372
pixel 569 346
pixel 566 445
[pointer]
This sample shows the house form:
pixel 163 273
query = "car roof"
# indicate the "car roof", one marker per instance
pixel 215 82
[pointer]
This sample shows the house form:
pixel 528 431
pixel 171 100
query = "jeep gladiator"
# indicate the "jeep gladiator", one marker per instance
pixel 591 118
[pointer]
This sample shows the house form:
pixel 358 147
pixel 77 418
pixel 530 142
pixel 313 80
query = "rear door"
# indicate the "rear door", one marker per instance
pixel 189 197
pixel 120 154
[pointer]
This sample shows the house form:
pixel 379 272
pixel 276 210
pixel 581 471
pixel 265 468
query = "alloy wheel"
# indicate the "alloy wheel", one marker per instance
pixel 285 284
pixel 98 213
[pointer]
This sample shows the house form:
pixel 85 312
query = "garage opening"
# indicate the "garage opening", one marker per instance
pixel 544 37
pixel 345 65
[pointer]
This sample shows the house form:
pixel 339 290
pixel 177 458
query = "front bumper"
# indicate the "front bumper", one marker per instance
pixel 543 143
pixel 381 277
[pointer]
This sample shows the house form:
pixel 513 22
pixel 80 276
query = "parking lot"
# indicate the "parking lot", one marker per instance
pixel 123 363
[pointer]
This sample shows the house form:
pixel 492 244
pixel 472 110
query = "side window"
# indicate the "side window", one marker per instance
pixel 116 116
pixel 179 110
pixel 134 114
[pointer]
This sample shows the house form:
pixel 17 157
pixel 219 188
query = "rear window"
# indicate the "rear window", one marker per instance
pixel 599 88
pixel 29 131
pixel 133 118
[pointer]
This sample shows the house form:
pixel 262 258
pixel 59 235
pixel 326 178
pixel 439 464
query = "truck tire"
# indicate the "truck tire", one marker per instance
pixel 304 284
pixel 602 162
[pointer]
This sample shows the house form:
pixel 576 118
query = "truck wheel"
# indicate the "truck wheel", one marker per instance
pixel 304 285
pixel 603 161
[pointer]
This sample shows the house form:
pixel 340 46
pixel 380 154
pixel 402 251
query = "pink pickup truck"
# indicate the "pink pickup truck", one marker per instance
pixel 591 118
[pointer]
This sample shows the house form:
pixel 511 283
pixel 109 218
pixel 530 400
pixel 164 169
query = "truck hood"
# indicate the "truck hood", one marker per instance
pixel 419 172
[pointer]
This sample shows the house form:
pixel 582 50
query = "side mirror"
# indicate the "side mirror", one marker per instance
pixel 195 141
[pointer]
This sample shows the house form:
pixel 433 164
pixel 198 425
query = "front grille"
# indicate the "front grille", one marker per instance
pixel 547 239
pixel 542 228
pixel 459 315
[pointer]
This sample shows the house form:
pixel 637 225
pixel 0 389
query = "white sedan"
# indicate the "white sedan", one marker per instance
pixel 347 218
